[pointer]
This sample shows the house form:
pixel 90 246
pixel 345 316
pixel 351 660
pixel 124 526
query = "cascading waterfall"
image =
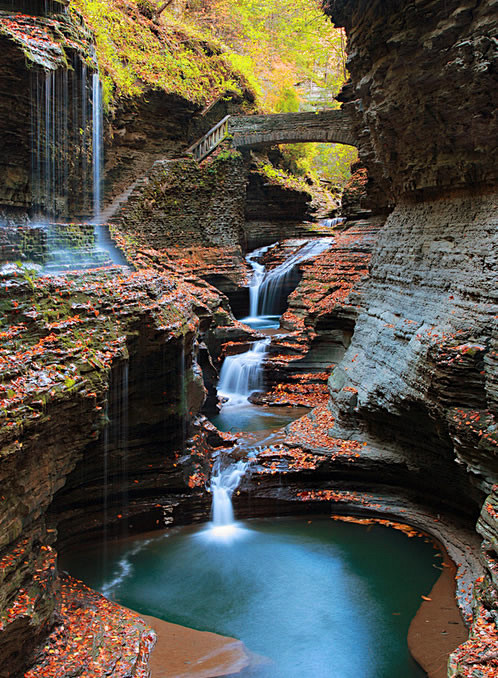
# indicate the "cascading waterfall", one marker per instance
pixel 275 283
pixel 242 374
pixel 224 481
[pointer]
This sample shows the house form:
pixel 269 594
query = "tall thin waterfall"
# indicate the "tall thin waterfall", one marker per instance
pixel 62 145
pixel 115 442
pixel 123 437
pixel 50 131
pixel 242 374
pixel 97 141
pixel 67 158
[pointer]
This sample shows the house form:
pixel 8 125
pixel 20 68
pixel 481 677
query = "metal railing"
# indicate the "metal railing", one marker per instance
pixel 206 145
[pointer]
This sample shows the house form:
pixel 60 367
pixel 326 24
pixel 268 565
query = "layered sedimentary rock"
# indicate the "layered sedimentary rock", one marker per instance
pixel 419 378
pixel 157 126
pixel 320 319
pixel 99 392
pixel 273 212
pixel 179 204
pixel 34 132
pixel 422 91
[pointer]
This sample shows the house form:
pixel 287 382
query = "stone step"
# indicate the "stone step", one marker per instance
pixel 80 266
pixel 75 255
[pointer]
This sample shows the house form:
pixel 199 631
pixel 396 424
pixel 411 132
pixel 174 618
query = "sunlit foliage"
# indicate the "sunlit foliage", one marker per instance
pixel 290 46
pixel 137 50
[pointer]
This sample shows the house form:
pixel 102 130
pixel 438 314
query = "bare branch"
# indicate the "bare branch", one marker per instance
pixel 162 7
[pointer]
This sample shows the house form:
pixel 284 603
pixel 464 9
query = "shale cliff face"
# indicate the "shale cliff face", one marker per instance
pixel 420 374
pixel 422 91
pixel 99 394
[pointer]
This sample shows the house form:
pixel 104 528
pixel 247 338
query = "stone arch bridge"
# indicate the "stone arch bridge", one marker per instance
pixel 260 131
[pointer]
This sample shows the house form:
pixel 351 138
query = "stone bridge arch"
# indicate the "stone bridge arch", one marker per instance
pixel 260 131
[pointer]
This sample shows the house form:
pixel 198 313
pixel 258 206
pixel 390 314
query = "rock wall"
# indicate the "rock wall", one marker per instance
pixel 37 136
pixel 422 91
pixel 157 126
pixel 77 352
pixel 419 378
pixel 273 212
pixel 181 204
pixel 419 359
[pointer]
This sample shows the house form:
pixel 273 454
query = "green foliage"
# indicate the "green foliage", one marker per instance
pixel 299 159
pixel 328 163
pixel 281 177
pixel 333 163
pixel 244 64
pixel 294 59
pixel 288 101
pixel 136 52
pixel 296 53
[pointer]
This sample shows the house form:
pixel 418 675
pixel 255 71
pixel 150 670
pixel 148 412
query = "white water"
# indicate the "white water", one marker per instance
pixel 258 275
pixel 97 141
pixel 67 122
pixel 330 223
pixel 268 288
pixel 242 374
pixel 224 482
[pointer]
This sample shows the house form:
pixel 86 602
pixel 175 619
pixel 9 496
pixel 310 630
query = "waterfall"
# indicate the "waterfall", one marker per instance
pixel 50 142
pixel 242 374
pixel 97 139
pixel 67 155
pixel 275 282
pixel 331 222
pixel 258 274
pixel 269 289
pixel 115 441
pixel 61 141
pixel 224 481
pixel 123 436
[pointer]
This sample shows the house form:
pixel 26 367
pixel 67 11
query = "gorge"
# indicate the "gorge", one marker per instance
pixel 137 287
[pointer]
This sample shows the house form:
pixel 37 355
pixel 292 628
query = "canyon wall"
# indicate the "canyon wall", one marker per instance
pixel 100 392
pixel 419 377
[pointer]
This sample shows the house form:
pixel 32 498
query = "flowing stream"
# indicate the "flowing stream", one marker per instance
pixel 310 598
pixel 243 374
pixel 269 288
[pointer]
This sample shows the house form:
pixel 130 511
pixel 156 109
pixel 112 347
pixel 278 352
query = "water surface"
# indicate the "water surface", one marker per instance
pixel 248 418
pixel 318 600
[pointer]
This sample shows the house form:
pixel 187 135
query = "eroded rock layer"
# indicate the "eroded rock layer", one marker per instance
pixel 419 378
pixel 423 91
pixel 99 392
pixel 320 319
